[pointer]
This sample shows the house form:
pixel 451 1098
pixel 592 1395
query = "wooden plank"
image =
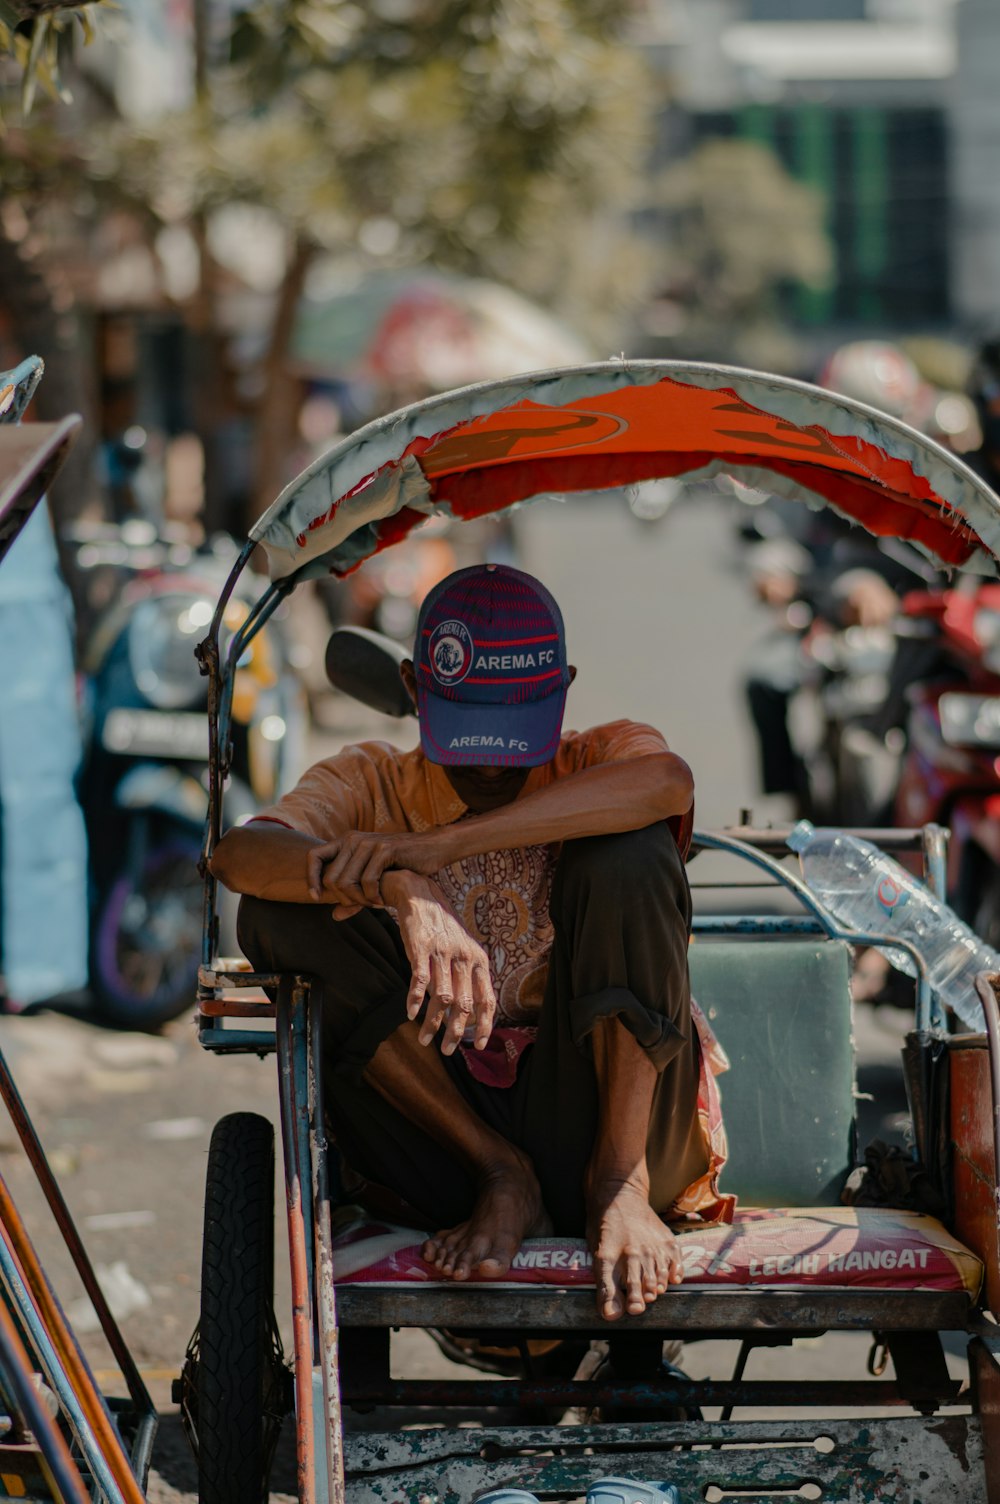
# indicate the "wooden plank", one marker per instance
pixel 549 1309
pixel 237 1007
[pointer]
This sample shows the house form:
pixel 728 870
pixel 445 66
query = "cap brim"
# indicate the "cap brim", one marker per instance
pixel 456 733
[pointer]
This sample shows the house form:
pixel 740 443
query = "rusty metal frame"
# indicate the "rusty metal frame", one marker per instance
pixel 143 1407
pixel 660 1394
pixel 50 1338
pixel 888 1459
pixel 326 1294
pixel 294 1100
pixel 17 1380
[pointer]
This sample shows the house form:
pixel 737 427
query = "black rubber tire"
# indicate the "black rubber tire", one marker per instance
pixel 236 1364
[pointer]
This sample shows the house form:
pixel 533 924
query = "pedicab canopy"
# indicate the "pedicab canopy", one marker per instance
pixel 480 450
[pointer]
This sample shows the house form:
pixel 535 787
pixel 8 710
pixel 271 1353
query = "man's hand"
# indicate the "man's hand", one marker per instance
pixel 349 869
pixel 448 967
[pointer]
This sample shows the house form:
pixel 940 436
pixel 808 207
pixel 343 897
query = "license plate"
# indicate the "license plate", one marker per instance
pixel 156 733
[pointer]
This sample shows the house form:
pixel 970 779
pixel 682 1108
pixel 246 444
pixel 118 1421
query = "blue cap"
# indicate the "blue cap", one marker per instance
pixel 490 658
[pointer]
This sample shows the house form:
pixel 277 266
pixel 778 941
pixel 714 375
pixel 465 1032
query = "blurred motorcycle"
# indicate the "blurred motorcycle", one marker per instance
pixel 951 771
pixel 143 785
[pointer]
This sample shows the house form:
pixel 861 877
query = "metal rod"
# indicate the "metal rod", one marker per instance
pixel 326 1299
pixel 236 1041
pixel 741 924
pixel 18 1378
pixel 775 837
pixel 288 1038
pixel 741 1367
pixel 242 560
pixel 64 1221
pixel 258 616
pixel 75 1391
pixel 936 860
pixel 655 1394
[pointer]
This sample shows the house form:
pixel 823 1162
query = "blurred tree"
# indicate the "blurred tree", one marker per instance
pixel 738 230
pixel 493 137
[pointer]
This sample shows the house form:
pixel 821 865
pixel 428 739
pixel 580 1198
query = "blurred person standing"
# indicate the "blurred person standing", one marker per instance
pixel 43 850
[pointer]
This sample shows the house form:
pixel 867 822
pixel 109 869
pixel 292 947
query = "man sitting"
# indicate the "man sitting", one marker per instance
pixel 515 896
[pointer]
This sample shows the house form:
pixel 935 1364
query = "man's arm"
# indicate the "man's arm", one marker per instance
pixel 266 860
pixel 603 800
pixel 448 967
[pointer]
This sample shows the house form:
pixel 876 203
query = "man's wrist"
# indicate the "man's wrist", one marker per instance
pixel 400 886
pixel 421 853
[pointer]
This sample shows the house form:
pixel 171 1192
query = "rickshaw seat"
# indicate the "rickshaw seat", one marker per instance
pixel 781 1009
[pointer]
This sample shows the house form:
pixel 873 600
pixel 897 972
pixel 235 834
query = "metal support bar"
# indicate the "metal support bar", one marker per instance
pixel 661 1393
pixel 756 924
pixel 921 1368
pixel 237 1041
pixel 326 1296
pixel 291 1040
pixel 936 860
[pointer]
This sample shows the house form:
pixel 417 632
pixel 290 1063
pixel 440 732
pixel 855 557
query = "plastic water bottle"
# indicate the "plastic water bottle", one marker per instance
pixel 867 891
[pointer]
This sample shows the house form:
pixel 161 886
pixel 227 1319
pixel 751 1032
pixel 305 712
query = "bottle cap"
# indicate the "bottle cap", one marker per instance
pixel 800 835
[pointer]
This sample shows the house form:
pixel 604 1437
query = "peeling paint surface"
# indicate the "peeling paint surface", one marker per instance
pixel 906 1461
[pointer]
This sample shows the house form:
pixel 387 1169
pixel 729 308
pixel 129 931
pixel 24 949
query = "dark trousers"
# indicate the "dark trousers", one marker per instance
pixel 621 909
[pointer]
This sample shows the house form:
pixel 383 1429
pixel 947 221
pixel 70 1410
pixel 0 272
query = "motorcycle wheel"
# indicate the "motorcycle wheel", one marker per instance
pixel 146 942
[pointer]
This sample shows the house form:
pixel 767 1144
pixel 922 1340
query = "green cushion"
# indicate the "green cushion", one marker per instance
pixel 781 1010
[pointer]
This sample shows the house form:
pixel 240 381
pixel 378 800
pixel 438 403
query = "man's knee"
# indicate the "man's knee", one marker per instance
pixel 306 937
pixel 628 866
pixel 257 926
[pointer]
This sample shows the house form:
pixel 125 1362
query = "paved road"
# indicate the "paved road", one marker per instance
pixel 657 619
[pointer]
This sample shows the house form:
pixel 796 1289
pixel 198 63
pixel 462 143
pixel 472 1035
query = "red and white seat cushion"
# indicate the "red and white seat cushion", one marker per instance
pixel 842 1247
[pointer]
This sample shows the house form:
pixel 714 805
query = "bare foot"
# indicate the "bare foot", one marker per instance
pixel 508 1210
pixel 636 1256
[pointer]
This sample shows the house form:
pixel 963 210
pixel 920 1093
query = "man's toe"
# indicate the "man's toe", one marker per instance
pixel 497 1259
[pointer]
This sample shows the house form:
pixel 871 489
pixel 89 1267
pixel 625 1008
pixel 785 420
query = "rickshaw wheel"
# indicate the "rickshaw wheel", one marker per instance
pixel 242 1380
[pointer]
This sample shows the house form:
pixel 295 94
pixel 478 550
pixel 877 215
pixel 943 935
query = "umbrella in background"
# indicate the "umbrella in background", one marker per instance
pixel 425 332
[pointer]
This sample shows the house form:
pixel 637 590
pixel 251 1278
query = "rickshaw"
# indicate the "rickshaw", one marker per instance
pixel 796 1261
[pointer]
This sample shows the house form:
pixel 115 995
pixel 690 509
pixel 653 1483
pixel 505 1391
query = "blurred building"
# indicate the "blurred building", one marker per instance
pixel 889 108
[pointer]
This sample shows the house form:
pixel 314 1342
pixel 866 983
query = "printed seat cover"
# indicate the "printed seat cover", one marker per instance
pixel 839 1247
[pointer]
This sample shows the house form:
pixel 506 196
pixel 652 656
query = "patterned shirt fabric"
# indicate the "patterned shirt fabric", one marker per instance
pixel 501 897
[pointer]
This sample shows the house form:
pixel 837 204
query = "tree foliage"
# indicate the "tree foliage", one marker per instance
pixel 454 132
pixel 35 34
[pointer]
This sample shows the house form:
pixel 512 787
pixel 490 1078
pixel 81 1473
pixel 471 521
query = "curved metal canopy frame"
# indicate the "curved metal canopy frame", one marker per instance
pixel 488 447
